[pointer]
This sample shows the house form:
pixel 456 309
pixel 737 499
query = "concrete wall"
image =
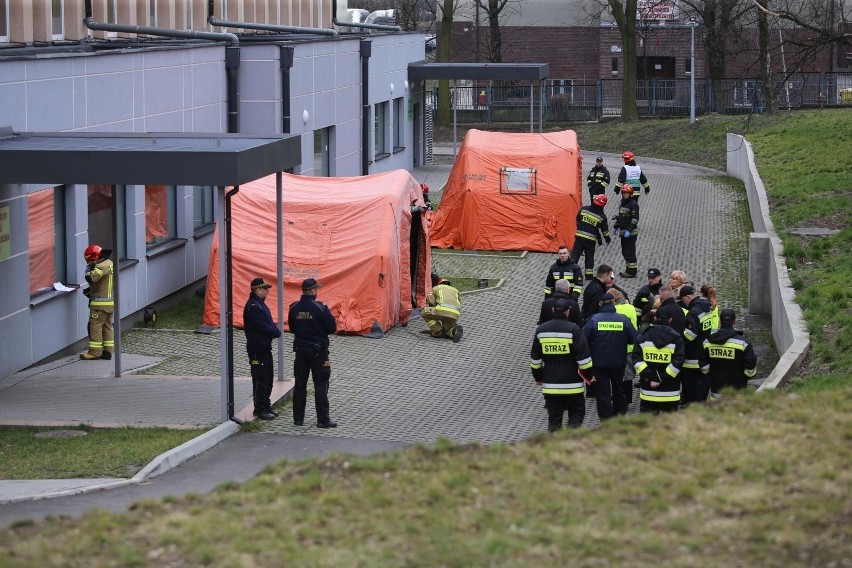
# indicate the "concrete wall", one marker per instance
pixel 770 291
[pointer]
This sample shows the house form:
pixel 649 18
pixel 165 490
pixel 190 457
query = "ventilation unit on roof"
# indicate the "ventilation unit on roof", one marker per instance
pixel 382 17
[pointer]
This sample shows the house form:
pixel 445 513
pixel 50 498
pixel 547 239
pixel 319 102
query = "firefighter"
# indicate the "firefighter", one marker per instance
pixel 730 356
pixel 444 309
pixel 699 320
pixel 598 179
pixel 99 275
pixel 657 359
pixel 592 230
pixel 632 175
pixel 647 294
pixel 561 366
pixel 564 269
pixel 610 336
pixel 627 223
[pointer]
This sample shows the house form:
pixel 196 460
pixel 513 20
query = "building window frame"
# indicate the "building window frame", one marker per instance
pixel 57 21
pixel 97 234
pixel 380 126
pixel 5 34
pixel 203 209
pixel 160 216
pixel 57 244
pixel 398 124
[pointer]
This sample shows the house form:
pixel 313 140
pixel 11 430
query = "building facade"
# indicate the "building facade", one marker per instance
pixel 346 95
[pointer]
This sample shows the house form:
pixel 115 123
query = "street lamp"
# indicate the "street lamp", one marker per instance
pixel 692 71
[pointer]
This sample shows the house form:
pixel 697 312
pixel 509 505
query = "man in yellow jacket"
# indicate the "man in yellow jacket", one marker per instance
pixel 444 310
pixel 99 275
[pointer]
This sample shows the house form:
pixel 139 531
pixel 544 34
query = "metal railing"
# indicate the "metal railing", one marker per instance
pixel 567 100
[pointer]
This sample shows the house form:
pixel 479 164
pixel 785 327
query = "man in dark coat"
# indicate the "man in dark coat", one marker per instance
pixel 260 330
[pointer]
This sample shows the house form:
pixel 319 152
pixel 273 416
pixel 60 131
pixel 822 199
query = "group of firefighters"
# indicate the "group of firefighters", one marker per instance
pixel 672 340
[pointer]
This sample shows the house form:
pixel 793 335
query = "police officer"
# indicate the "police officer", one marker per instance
pixel 598 179
pixel 730 356
pixel 627 223
pixel 699 320
pixel 592 230
pixel 260 330
pixel 311 323
pixel 658 359
pixel 564 269
pixel 561 364
pixel 631 174
pixel 99 275
pixel 610 335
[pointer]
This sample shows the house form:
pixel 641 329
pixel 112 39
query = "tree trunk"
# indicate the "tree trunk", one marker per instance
pixel 495 48
pixel 445 41
pixel 625 17
pixel 765 74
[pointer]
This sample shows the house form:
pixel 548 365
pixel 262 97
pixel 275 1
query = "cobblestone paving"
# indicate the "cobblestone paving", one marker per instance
pixel 410 387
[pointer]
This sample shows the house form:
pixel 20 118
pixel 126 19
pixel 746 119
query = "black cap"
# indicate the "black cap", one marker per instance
pixel 310 284
pixel 686 291
pixel 607 299
pixel 259 283
pixel 561 304
pixel 654 272
pixel 727 315
pixel 599 159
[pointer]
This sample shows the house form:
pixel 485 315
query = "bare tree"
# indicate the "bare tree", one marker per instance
pixel 493 9
pixel 625 17
pixel 446 9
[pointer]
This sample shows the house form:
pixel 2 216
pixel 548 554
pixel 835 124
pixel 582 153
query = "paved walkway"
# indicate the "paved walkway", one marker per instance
pixel 405 387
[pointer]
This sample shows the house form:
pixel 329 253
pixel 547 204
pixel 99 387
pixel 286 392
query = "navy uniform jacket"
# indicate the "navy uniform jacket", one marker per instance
pixel 546 313
pixel 731 358
pixel 609 333
pixel 658 356
pixel 258 325
pixel 310 322
pixel 558 352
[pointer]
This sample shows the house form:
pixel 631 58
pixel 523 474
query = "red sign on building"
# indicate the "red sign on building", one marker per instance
pixel 657 10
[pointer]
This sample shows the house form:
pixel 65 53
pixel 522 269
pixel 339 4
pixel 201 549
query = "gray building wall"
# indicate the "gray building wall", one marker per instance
pixel 174 89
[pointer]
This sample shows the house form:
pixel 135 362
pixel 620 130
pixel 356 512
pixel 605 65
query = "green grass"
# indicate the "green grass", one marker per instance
pixel 750 481
pixel 186 315
pixel 102 452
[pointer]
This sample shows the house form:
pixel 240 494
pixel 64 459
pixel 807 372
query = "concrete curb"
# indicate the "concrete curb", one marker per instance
pixel 176 456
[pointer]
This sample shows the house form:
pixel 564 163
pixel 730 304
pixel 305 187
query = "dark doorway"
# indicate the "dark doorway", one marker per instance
pixel 655 68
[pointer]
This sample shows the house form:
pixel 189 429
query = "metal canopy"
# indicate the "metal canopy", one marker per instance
pixel 144 159
pixel 487 71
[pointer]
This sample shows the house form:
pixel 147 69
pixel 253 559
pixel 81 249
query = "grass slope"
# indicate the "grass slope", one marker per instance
pixel 751 481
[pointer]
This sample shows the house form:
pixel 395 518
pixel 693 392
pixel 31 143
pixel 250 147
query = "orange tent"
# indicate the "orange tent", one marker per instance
pixel 511 191
pixel 357 236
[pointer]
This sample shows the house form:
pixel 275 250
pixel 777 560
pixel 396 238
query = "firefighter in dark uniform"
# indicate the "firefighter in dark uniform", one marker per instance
pixel 610 336
pixel 564 269
pixel 563 292
pixel 730 356
pixel 561 366
pixel 627 224
pixel 592 230
pixel 260 330
pixel 631 174
pixel 658 359
pixel 598 179
pixel 647 294
pixel 99 275
pixel 311 323
pixel 699 323
pixel 596 288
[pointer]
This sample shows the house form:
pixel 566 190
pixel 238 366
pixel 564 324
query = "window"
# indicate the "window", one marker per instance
pixel 615 65
pixel 46 223
pixel 687 65
pixel 4 21
pixel 398 123
pixel 152 13
pixel 57 19
pixel 100 218
pixel 321 153
pixel 160 215
pixel 202 206
pixel 380 125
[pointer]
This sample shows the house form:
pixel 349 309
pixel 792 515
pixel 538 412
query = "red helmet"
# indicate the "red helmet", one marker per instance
pixel 599 200
pixel 627 188
pixel 92 253
pixel 628 156
pixel 424 188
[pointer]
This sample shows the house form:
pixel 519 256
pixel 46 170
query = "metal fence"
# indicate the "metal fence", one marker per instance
pixel 567 100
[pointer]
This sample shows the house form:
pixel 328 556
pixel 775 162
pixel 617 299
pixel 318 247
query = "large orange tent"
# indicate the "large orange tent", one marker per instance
pixel 511 191
pixel 357 236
